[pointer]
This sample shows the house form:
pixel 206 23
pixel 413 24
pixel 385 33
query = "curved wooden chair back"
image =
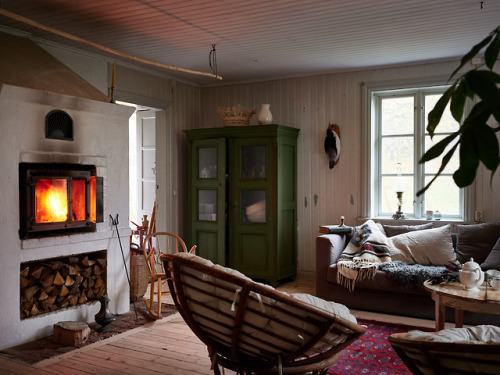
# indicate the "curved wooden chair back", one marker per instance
pixel 253 328
pixel 443 358
pixel 154 245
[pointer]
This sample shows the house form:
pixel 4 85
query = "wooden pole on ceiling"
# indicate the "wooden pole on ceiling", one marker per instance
pixel 30 22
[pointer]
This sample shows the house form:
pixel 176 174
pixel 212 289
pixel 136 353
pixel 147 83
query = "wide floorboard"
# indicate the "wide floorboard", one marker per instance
pixel 166 346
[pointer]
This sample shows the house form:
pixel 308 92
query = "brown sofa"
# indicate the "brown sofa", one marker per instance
pixel 380 294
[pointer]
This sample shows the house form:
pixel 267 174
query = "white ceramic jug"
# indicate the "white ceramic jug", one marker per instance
pixel 471 275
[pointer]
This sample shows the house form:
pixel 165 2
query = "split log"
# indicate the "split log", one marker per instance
pixel 72 270
pixel 101 292
pixel 99 282
pixel 30 292
pixel 98 270
pixel 74 289
pixel 71 333
pixel 24 282
pixel 63 291
pixel 36 272
pixel 87 272
pixel 57 265
pixel 82 298
pixel 42 296
pixel 73 300
pixel 25 271
pixel 69 281
pixel 58 279
pixel 48 303
pixel 34 310
pixel 48 282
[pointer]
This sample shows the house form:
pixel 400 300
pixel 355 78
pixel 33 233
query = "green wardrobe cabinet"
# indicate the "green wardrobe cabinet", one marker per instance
pixel 242 198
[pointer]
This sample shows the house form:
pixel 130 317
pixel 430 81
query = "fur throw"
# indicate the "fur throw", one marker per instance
pixel 403 273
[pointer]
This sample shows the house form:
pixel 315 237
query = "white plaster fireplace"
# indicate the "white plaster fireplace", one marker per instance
pixel 100 140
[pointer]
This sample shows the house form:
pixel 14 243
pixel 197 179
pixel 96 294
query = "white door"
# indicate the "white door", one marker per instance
pixel 146 163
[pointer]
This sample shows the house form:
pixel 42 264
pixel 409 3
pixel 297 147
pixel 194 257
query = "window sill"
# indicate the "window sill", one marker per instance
pixel 390 221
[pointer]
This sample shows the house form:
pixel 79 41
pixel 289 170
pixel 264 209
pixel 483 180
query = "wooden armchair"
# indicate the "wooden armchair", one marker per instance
pixel 252 328
pixel 442 358
pixel 153 244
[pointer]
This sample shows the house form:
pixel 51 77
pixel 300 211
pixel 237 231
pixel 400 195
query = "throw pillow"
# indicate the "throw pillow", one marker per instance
pixel 427 247
pixel 394 230
pixel 476 241
pixel 492 261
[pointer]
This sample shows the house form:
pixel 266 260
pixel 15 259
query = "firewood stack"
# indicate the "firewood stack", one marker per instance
pixel 63 282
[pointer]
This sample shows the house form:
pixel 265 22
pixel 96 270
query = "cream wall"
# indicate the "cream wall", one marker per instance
pixel 310 104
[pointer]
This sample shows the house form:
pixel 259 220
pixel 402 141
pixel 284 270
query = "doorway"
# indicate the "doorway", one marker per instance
pixel 142 165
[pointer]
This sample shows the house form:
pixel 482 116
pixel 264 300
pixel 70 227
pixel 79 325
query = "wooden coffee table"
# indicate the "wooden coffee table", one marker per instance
pixel 454 295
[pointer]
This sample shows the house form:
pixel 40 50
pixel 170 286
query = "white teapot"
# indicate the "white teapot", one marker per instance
pixel 471 275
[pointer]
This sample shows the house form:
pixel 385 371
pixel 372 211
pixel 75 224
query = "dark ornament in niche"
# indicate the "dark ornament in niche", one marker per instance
pixel 59 125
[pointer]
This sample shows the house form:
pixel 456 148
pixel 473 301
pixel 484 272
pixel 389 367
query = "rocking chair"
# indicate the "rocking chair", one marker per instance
pixel 152 244
pixel 251 328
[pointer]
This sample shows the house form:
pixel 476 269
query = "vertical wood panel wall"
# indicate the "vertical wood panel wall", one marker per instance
pixel 310 104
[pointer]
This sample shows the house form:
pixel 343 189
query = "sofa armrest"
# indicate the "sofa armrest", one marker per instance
pixel 328 250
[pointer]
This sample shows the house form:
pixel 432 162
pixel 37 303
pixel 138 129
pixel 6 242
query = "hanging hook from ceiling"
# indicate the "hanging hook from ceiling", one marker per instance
pixel 212 60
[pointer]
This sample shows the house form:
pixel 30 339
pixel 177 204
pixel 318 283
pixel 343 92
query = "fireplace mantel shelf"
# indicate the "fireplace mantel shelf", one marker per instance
pixel 71 244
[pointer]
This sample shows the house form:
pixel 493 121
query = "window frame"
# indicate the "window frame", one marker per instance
pixel 370 150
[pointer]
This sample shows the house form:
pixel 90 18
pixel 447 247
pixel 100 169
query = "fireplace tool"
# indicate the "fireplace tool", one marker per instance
pixel 115 223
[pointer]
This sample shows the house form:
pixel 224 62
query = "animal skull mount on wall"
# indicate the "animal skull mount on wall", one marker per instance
pixel 332 144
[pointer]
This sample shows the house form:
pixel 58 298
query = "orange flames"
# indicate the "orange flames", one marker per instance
pixel 51 200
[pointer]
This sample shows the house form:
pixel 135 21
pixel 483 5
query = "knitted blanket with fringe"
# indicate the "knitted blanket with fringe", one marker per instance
pixel 367 249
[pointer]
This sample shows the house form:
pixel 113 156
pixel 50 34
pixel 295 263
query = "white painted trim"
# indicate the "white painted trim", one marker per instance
pixel 368 88
pixel 151 103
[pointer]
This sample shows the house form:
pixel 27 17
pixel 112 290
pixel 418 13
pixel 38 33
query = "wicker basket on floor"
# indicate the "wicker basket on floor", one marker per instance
pixel 139 277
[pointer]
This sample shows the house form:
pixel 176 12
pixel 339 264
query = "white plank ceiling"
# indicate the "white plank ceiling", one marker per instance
pixel 265 39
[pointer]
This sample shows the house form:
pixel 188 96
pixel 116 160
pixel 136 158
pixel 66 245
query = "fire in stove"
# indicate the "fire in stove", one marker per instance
pixel 57 198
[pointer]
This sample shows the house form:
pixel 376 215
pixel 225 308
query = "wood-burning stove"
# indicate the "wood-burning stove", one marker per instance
pixel 58 199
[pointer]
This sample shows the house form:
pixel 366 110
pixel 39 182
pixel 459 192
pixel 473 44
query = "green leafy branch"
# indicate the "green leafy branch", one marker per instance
pixel 477 140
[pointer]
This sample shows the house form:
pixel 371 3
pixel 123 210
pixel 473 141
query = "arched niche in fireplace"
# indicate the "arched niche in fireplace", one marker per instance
pixel 56 198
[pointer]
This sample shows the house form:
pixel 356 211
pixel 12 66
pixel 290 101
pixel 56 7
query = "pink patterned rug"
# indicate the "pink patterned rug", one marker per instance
pixel 371 353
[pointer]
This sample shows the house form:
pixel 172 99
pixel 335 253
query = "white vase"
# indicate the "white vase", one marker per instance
pixel 265 116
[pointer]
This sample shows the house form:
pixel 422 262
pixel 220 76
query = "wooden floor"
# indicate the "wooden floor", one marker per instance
pixel 166 346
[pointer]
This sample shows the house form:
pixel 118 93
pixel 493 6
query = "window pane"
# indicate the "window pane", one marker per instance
pixel 389 199
pixel 447 123
pixel 397 115
pixel 443 196
pixel 433 165
pixel 253 162
pixel 253 206
pixel 207 162
pixel 397 150
pixel 207 205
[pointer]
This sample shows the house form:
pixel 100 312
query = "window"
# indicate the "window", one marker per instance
pixel 397 119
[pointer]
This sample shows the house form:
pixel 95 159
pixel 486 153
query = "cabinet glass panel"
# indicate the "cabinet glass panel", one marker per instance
pixel 207 205
pixel 253 162
pixel 207 162
pixel 253 206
